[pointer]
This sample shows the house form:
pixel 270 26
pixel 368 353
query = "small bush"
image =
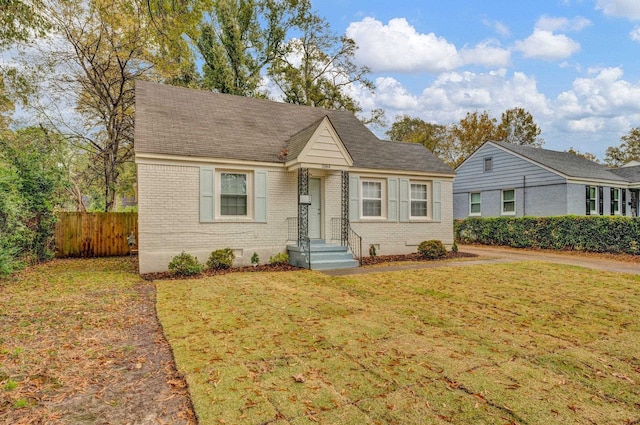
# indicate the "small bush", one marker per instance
pixel 255 260
pixel 372 250
pixel 280 258
pixel 432 249
pixel 454 247
pixel 185 264
pixel 221 259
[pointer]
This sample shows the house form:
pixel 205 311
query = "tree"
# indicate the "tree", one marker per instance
pixel 432 136
pixel 469 134
pixel 20 20
pixel 30 181
pixel 316 68
pixel 585 155
pixel 517 127
pixel 628 150
pixel 106 45
pixel 241 39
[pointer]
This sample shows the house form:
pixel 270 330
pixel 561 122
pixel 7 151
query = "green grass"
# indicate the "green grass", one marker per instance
pixel 526 343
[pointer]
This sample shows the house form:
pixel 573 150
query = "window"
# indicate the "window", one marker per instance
pixel 615 201
pixel 509 202
pixel 592 200
pixel 372 199
pixel 474 203
pixel 488 164
pixel 419 200
pixel 233 194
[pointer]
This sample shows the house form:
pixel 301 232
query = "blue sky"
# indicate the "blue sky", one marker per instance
pixel 573 64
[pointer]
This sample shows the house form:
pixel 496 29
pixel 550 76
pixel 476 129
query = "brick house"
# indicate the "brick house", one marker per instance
pixel 221 171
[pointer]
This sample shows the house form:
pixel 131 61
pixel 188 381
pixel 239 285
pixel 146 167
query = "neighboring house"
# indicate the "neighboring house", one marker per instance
pixel 504 179
pixel 217 171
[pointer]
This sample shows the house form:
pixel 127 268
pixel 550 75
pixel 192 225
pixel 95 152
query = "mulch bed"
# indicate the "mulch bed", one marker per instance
pixel 366 261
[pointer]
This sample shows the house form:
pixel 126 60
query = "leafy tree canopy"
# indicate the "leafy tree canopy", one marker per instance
pixel 628 150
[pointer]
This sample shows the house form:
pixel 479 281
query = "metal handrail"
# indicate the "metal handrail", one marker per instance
pixel 353 240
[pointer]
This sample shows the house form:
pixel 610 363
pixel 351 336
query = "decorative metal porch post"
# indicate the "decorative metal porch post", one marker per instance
pixel 344 219
pixel 303 209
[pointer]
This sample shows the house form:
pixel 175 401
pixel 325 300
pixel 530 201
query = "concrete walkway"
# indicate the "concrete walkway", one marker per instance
pixel 495 255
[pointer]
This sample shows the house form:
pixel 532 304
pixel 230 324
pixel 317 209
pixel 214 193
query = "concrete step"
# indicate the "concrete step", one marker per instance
pixel 323 256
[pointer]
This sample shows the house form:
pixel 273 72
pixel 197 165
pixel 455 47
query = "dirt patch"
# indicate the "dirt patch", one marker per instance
pixel 81 344
pixel 141 388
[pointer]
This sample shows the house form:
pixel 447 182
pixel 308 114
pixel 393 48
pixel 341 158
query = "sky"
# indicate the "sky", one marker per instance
pixel 573 64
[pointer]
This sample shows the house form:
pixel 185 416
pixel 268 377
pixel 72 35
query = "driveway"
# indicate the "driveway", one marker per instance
pixel 494 255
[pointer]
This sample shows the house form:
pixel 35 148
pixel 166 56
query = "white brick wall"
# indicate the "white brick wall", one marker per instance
pixel 169 219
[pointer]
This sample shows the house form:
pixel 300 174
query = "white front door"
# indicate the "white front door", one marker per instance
pixel 315 215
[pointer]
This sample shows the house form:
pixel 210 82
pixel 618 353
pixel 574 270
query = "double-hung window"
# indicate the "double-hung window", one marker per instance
pixel 371 198
pixel 419 205
pixel 233 194
pixel 592 200
pixel 475 203
pixel 509 202
pixel 615 201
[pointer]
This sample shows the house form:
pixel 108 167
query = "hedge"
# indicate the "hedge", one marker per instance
pixel 580 233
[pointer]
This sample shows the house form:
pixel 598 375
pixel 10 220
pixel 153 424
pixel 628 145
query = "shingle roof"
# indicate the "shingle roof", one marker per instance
pixel 185 122
pixel 632 174
pixel 566 163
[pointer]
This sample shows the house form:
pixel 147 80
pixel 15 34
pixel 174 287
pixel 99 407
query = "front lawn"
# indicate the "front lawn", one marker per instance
pixel 525 343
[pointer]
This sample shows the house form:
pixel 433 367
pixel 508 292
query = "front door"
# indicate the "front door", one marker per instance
pixel 315 209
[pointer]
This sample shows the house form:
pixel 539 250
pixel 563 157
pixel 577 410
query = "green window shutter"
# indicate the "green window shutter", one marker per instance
pixel 354 198
pixel 207 194
pixel 437 192
pixel 392 199
pixel 260 196
pixel 404 200
pixel 588 198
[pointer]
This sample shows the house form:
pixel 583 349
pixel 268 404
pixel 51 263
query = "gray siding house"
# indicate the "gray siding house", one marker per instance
pixel 219 171
pixel 504 179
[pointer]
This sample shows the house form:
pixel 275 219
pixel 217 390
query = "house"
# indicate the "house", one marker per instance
pixel 257 176
pixel 505 179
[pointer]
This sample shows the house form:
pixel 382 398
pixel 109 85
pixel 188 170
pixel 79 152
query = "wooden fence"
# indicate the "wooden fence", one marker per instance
pixel 94 234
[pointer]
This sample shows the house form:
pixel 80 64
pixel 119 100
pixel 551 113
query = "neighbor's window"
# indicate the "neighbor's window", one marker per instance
pixel 474 203
pixel 488 164
pixel 509 202
pixel 371 199
pixel 615 201
pixel 419 200
pixel 233 194
pixel 593 200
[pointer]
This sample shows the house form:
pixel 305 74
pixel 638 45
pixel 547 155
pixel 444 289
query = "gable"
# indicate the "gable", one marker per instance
pixel 323 149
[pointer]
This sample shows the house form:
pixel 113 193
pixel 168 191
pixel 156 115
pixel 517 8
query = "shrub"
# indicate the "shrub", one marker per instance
pixel 454 247
pixel 185 264
pixel 221 259
pixel 279 258
pixel 372 250
pixel 255 260
pixel 581 233
pixel 432 249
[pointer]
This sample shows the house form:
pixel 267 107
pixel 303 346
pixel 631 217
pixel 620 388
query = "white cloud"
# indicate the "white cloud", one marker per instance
pixel 546 45
pixel 550 23
pixel 398 47
pixel 489 54
pixel 500 28
pixel 635 34
pixel 624 8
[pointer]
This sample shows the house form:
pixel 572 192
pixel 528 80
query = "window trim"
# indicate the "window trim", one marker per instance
pixel 487 160
pixel 503 201
pixel 383 199
pixel 218 196
pixel 471 203
pixel 427 185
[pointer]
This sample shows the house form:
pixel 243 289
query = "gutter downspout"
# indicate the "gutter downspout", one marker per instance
pixel 524 196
